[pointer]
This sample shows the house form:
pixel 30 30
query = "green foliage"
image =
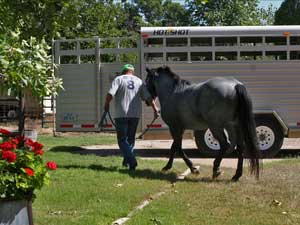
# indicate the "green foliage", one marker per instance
pixel 40 19
pixel 227 13
pixel 53 19
pixel 288 13
pixel 26 65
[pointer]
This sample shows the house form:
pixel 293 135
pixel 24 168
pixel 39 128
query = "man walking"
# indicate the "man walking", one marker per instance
pixel 128 90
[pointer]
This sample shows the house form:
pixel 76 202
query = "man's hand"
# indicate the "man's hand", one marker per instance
pixel 106 107
pixel 107 101
pixel 156 114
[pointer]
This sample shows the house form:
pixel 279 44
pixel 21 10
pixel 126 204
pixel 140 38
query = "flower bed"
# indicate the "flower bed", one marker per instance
pixel 22 169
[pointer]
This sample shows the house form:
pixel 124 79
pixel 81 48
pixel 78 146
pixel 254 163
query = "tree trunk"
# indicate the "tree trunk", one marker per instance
pixel 21 113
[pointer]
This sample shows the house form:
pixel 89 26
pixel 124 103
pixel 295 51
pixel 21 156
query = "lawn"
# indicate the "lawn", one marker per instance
pixel 88 189
pixel 92 190
pixel 274 199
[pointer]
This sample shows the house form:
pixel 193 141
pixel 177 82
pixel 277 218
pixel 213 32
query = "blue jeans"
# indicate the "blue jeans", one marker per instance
pixel 126 129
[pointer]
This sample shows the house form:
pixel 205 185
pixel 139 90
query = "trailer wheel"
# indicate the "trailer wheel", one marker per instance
pixel 207 144
pixel 269 136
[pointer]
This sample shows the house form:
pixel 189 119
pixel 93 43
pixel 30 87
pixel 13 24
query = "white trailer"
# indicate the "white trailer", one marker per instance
pixel 265 58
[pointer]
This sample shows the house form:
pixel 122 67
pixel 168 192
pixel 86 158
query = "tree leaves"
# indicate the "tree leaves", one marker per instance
pixel 26 65
pixel 288 13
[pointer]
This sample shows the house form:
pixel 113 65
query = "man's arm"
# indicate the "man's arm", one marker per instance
pixel 107 101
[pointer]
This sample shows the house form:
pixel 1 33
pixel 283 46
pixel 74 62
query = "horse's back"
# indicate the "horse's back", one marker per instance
pixel 217 99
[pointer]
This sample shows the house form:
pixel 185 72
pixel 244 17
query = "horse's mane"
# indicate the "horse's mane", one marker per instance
pixel 178 81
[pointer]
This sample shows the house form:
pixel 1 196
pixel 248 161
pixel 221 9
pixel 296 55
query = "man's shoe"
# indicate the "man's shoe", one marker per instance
pixel 133 166
pixel 125 163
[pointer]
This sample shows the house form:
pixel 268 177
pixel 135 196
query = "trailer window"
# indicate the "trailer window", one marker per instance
pixel 251 56
pixel 108 43
pixel 201 41
pixel 68 59
pixel 72 45
pixel 129 57
pixel 153 42
pixel 225 56
pixel 276 40
pixel 127 43
pixel 276 55
pixel 295 55
pixel 87 44
pixel 295 40
pixel 176 42
pixel 108 58
pixel 87 59
pixel 226 41
pixel 250 41
pixel 153 57
pixel 201 56
pixel 177 56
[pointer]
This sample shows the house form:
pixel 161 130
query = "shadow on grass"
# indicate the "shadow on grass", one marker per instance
pixel 146 153
pixel 138 173
pixel 155 153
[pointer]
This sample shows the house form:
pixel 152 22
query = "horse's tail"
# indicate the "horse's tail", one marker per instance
pixel 246 119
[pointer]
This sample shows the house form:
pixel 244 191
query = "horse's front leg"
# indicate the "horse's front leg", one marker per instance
pixel 171 158
pixel 177 146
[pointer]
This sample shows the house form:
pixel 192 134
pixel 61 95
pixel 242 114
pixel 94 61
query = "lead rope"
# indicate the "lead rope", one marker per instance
pixel 103 118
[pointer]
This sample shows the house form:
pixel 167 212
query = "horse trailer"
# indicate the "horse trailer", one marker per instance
pixel 265 58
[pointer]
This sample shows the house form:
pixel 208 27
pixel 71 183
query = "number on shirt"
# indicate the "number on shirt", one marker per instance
pixel 130 85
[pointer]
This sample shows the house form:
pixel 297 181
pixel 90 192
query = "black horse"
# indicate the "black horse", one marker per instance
pixel 217 104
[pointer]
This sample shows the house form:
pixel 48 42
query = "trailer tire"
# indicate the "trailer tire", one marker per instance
pixel 270 135
pixel 207 144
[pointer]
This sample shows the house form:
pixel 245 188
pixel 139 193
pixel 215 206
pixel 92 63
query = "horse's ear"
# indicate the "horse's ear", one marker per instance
pixel 168 69
pixel 148 70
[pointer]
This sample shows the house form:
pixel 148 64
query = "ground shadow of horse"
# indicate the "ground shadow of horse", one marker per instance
pixel 158 153
pixel 146 153
pixel 138 173
pixel 150 174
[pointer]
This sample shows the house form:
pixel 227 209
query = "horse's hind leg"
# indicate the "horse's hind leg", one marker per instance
pixel 219 134
pixel 240 147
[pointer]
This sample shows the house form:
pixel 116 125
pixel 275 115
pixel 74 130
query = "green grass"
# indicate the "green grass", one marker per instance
pixel 88 189
pixel 92 190
pixel 50 141
pixel 199 200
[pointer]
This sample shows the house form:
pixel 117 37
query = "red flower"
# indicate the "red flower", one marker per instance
pixel 51 165
pixel 6 146
pixel 37 146
pixel 20 138
pixel 14 141
pixel 29 172
pixel 38 152
pixel 9 156
pixel 28 142
pixel 4 132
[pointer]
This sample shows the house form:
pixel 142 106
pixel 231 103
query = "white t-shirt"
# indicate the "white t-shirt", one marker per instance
pixel 127 91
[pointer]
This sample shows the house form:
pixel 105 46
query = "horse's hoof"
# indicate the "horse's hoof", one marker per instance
pixel 235 178
pixel 195 170
pixel 216 174
pixel 166 168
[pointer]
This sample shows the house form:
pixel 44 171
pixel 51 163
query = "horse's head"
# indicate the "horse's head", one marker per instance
pixel 165 78
pixel 152 75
